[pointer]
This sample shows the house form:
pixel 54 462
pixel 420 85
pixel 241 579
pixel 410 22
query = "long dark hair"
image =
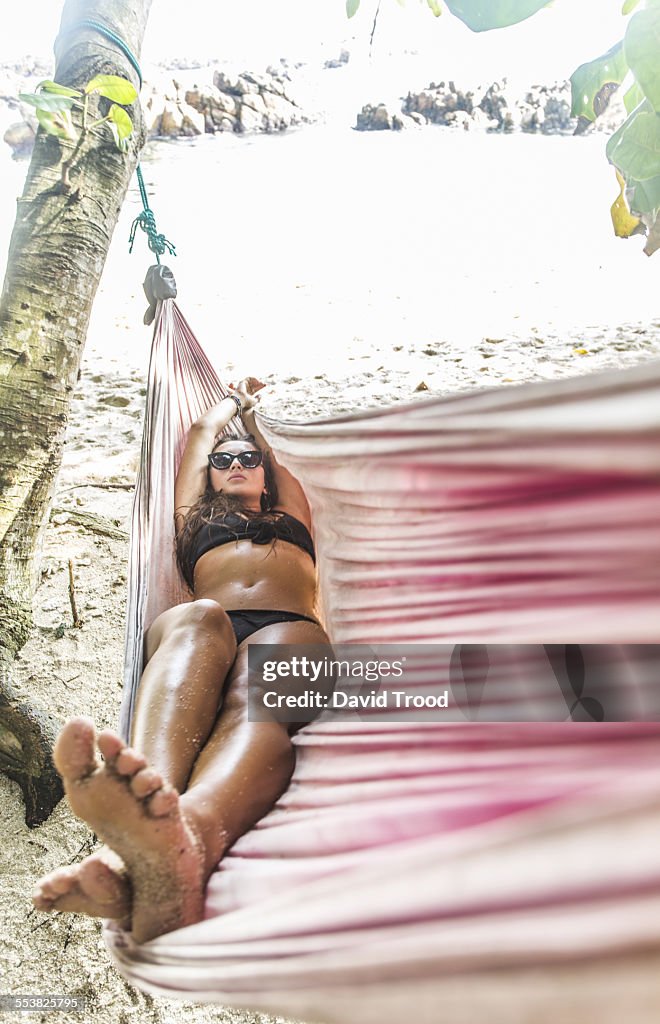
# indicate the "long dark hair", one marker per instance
pixel 213 505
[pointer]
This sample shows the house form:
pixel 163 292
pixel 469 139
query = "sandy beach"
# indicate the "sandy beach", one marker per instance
pixel 343 284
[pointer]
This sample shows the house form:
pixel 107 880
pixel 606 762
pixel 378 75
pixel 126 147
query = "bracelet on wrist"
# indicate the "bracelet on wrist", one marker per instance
pixel 239 404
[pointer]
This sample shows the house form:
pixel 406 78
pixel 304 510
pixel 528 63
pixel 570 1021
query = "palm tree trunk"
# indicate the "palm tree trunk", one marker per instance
pixel 64 223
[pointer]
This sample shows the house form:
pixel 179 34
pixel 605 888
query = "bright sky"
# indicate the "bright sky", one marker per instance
pixel 257 32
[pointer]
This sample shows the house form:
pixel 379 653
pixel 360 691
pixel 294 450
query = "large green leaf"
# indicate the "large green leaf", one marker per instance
pixel 589 80
pixel 481 16
pixel 114 88
pixel 644 196
pixel 635 146
pixel 351 7
pixel 642 48
pixel 44 101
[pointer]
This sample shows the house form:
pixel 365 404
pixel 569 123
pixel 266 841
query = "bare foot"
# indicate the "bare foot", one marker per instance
pixel 98 886
pixel 138 815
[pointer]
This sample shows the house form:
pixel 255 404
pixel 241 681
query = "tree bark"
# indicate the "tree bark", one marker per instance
pixel 64 224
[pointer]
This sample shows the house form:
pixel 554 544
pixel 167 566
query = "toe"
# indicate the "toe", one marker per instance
pixel 145 782
pixel 163 802
pixel 61 881
pixel 73 752
pixel 110 744
pixel 40 901
pixel 128 761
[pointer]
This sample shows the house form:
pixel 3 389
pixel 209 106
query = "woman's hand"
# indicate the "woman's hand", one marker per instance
pixel 246 391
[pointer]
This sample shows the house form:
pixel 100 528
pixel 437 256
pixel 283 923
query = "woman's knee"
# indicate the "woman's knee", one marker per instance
pixel 202 618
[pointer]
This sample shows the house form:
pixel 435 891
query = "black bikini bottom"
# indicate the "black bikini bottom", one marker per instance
pixel 245 623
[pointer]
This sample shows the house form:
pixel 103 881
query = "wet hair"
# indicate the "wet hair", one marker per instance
pixel 212 505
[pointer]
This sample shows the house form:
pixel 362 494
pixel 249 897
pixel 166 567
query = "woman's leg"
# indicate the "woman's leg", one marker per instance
pixel 189 650
pixel 170 844
pixel 245 765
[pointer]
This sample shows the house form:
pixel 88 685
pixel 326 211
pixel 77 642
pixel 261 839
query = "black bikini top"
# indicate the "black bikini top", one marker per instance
pixel 232 526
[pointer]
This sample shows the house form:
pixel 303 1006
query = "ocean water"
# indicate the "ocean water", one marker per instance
pixel 304 247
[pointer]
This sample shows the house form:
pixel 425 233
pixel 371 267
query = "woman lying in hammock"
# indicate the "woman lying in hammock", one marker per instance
pixel 194 780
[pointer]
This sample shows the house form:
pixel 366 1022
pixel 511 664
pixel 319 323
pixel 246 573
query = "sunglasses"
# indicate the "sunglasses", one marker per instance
pixel 249 459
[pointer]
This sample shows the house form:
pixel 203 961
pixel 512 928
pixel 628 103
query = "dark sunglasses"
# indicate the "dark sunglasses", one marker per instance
pixel 249 459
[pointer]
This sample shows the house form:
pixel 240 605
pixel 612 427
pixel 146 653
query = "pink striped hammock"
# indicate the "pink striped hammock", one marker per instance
pixel 463 870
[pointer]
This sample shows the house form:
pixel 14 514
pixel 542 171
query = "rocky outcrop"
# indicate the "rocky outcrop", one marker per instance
pixel 191 104
pixel 497 108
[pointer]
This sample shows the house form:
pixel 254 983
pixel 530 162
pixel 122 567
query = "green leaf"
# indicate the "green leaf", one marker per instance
pixel 435 7
pixel 352 7
pixel 589 80
pixel 121 121
pixel 644 196
pixel 481 16
pixel 60 90
pixel 632 97
pixel 642 46
pixel 629 6
pixel 114 88
pixel 57 123
pixel 121 143
pixel 42 101
pixel 635 146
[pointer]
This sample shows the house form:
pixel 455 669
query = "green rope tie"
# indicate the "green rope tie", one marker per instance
pixel 145 220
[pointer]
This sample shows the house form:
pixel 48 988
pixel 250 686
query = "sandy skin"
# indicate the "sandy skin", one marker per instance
pixel 139 817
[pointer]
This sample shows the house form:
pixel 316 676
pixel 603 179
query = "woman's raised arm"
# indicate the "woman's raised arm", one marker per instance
pixel 291 495
pixel 191 478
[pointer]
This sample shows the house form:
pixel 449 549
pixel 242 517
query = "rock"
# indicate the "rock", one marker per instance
pixel 20 137
pixel 281 111
pixel 227 123
pixel 251 120
pixel 223 83
pixel 373 119
pixel 481 121
pixel 461 119
pixel 439 103
pixel 416 118
pixel 246 86
pixel 181 119
pixel 254 101
pixel 227 104
pixel 338 62
pixel 494 105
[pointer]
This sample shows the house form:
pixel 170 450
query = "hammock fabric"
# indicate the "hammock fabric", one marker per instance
pixel 454 870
